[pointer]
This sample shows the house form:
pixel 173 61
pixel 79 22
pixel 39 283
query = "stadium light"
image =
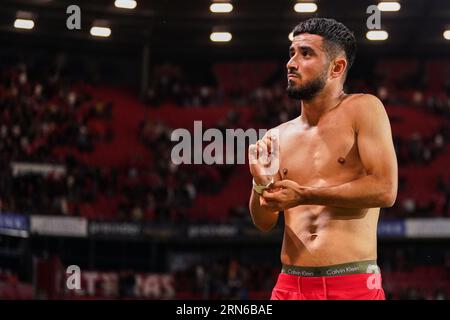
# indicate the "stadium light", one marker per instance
pixel 377 35
pixel 304 7
pixel 291 36
pixel 447 34
pixel 100 31
pixel 24 24
pixel 220 36
pixel 389 6
pixel 221 7
pixel 125 4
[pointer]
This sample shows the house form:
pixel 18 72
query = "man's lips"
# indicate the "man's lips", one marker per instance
pixel 293 76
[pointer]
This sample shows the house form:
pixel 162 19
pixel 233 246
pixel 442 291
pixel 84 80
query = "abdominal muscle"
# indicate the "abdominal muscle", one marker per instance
pixel 322 236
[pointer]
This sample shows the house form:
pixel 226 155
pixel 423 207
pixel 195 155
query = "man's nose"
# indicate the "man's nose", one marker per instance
pixel 291 64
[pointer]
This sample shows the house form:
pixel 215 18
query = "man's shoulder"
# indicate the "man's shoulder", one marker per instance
pixel 285 125
pixel 362 100
pixel 364 108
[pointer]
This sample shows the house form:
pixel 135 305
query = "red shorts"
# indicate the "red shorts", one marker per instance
pixel 365 286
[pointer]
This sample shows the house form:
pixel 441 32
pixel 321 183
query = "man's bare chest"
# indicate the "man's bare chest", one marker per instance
pixel 324 152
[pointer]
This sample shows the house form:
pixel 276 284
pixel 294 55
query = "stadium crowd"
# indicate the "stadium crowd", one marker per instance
pixel 50 119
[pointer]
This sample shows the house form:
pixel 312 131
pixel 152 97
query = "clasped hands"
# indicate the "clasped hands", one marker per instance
pixel 284 194
pixel 264 166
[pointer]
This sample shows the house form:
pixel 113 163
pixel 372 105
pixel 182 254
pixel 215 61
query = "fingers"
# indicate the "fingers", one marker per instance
pixel 252 153
pixel 279 184
pixel 255 152
pixel 284 184
pixel 272 196
pixel 264 155
pixel 268 205
pixel 258 153
pixel 267 195
pixel 272 141
pixel 267 140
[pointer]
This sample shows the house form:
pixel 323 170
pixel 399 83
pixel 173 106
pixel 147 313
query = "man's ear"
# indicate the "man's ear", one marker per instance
pixel 338 67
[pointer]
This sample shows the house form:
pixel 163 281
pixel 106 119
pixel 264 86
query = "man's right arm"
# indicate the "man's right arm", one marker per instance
pixel 264 167
pixel 262 218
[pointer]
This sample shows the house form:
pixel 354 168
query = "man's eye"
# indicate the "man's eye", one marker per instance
pixel 305 53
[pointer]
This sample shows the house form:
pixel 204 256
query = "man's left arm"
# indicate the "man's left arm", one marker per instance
pixel 378 188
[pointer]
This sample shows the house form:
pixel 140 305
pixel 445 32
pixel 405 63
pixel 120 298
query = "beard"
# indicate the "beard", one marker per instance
pixel 308 90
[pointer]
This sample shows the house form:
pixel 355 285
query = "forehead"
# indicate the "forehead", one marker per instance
pixel 306 39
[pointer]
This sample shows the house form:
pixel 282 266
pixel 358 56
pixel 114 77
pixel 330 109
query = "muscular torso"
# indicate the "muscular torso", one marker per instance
pixel 320 156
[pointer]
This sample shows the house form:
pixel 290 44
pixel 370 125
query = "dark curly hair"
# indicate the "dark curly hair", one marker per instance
pixel 337 37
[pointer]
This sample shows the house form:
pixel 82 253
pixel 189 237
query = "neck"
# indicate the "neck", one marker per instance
pixel 313 109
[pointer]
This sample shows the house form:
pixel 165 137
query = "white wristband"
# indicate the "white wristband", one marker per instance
pixel 259 188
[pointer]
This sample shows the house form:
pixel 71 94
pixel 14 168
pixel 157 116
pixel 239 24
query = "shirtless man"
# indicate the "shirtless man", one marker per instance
pixel 337 168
